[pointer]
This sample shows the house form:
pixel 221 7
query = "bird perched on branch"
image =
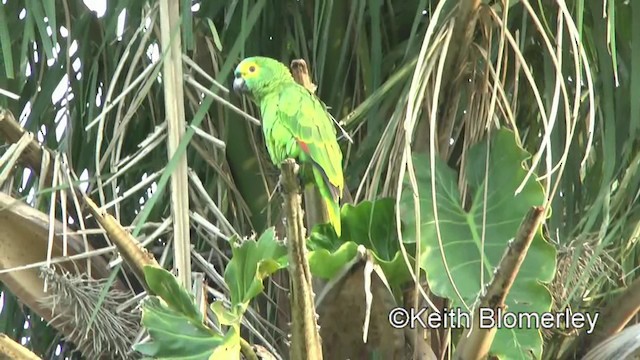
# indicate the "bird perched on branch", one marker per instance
pixel 295 125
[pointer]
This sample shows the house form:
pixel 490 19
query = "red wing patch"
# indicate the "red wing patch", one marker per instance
pixel 303 146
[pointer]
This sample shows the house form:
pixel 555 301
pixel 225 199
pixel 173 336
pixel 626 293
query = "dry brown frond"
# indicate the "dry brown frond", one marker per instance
pixel 569 277
pixel 72 300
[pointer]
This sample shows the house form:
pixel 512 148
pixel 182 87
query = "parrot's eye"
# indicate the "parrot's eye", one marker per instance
pixel 252 68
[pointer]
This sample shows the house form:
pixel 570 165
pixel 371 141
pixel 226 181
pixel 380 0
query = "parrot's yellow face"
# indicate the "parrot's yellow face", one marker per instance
pixel 247 75
pixel 258 76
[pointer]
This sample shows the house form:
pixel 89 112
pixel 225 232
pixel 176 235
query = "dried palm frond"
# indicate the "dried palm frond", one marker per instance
pixel 573 280
pixel 116 324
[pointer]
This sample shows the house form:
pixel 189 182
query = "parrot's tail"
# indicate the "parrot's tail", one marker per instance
pixel 333 210
pixel 330 198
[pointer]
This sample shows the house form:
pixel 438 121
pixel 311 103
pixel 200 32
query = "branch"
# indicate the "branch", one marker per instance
pixel 614 318
pixel 134 254
pixel 137 257
pixel 11 132
pixel 173 86
pixel 10 349
pixel 305 339
pixel 300 72
pixel 476 342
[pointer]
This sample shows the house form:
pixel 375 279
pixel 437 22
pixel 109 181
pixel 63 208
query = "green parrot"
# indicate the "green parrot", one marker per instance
pixel 295 125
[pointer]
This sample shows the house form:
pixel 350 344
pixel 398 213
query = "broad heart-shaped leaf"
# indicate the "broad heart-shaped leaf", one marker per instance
pixel 461 234
pixel 324 263
pixel 250 263
pixel 369 223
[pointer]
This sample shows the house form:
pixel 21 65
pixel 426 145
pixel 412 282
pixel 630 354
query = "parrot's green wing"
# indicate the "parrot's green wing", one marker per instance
pixel 297 125
pixel 308 122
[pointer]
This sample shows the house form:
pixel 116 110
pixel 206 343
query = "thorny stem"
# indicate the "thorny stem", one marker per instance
pixel 305 338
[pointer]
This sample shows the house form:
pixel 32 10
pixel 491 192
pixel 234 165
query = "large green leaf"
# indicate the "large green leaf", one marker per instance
pixel 163 284
pixel 371 224
pixel 325 263
pixel 175 324
pixel 174 335
pixel 461 234
pixel 251 262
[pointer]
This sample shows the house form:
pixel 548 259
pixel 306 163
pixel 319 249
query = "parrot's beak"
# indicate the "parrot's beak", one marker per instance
pixel 239 85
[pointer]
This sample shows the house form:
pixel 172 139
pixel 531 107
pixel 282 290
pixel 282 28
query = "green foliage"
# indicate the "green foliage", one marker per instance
pixel 175 324
pixel 165 286
pixel 369 223
pixel 325 262
pixel 461 231
pixel 251 262
pixel 174 335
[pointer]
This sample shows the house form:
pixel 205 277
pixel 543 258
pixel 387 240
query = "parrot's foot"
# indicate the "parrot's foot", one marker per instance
pixel 289 183
pixel 292 162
